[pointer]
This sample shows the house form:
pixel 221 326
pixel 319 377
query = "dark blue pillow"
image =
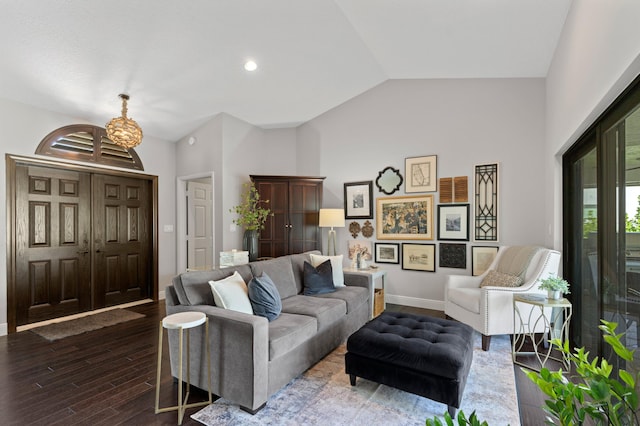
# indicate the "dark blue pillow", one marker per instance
pixel 264 297
pixel 318 280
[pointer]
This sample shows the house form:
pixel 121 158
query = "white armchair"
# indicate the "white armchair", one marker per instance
pixel 489 309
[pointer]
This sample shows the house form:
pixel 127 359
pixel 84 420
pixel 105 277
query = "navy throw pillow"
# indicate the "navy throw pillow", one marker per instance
pixel 264 297
pixel 318 280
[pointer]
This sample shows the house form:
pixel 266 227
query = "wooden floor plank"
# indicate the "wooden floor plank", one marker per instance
pixel 107 377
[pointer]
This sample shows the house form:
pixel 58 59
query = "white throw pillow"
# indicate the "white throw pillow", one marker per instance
pixel 231 293
pixel 336 265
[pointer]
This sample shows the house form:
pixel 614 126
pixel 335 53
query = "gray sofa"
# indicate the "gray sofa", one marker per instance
pixel 252 358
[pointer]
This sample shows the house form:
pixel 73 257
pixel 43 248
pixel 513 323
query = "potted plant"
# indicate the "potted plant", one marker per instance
pixel 251 216
pixel 555 286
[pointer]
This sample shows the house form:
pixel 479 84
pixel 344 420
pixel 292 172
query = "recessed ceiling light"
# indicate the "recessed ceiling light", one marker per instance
pixel 250 66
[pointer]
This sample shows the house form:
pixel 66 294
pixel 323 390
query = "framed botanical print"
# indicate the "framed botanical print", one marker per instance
pixel 387 253
pixel 453 222
pixel 481 258
pixel 419 257
pixel 420 174
pixel 358 200
pixel 404 218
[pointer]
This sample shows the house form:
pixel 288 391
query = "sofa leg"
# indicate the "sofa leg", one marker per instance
pixel 252 412
pixel 452 411
pixel 352 379
pixel 486 342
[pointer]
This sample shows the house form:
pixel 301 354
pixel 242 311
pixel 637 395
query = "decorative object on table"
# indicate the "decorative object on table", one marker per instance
pixel 330 218
pixel 367 229
pixel 420 174
pixel 251 215
pixel 606 398
pixel 419 257
pixel 354 229
pixel 486 202
pixel 453 255
pixel 387 253
pixel 556 286
pixel 453 222
pixel 359 252
pixel 389 180
pixel 233 258
pixel 358 200
pixel 404 218
pixel 123 130
pixel 481 258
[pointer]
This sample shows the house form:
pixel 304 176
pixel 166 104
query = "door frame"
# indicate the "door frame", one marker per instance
pixel 11 160
pixel 181 217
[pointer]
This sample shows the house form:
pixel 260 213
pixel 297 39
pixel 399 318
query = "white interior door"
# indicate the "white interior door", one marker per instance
pixel 199 226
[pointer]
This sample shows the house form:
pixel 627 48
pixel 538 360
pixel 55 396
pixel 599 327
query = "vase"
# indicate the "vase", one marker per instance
pixel 554 294
pixel 250 243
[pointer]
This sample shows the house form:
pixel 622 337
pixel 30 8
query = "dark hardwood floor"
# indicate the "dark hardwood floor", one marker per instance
pixel 108 377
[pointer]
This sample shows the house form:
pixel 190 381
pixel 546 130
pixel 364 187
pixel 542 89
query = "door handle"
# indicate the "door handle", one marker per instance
pixel 85 251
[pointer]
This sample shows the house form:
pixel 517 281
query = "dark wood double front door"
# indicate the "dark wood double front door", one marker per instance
pixel 83 241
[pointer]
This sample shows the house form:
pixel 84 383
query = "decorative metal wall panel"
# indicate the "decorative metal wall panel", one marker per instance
pixel 486 202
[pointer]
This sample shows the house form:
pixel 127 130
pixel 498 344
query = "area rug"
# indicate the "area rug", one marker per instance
pixel 60 330
pixel 323 396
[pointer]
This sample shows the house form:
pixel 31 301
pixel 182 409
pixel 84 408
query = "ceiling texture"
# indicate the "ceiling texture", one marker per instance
pixel 182 61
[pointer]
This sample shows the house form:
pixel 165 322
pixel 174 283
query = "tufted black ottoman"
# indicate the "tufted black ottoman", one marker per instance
pixel 426 356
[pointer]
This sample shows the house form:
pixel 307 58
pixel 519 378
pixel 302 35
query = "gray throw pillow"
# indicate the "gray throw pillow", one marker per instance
pixel 264 297
pixel 318 280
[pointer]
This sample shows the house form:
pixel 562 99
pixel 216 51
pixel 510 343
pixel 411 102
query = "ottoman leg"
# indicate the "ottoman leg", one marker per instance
pixel 452 411
pixel 352 379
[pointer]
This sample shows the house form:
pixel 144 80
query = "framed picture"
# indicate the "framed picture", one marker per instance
pixel 404 218
pixel 387 253
pixel 362 246
pixel 481 258
pixel 419 257
pixel 485 195
pixel 358 200
pixel 420 174
pixel 453 222
pixel 453 255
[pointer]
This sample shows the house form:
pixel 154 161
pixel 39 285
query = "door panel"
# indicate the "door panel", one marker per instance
pixel 53 263
pixel 200 226
pixel 121 239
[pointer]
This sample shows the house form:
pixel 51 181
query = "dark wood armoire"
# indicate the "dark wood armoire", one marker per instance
pixel 295 202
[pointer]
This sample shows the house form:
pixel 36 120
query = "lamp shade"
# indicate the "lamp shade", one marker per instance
pixel 331 217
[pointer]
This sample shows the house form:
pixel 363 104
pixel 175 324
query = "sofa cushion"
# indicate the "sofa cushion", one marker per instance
pixel 297 264
pixel 325 311
pixel 231 293
pixel 353 296
pixel 336 264
pixel 499 279
pixel 281 273
pixel 264 297
pixel 467 298
pixel 318 280
pixel 192 288
pixel 288 331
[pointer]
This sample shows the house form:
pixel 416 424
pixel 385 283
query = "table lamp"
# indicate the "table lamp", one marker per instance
pixel 330 218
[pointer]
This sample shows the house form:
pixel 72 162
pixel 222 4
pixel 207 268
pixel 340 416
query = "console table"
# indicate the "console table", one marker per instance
pixel 378 304
pixel 549 317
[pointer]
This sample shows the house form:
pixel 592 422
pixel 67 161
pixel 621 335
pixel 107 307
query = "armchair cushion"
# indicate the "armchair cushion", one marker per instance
pixel 499 279
pixel 467 298
pixel 515 260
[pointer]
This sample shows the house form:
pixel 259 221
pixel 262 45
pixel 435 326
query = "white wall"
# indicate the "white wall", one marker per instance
pixel 23 127
pixel 234 149
pixel 463 122
pixel 596 58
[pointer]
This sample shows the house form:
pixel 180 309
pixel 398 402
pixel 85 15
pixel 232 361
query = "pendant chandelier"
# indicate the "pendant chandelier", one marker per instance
pixel 122 130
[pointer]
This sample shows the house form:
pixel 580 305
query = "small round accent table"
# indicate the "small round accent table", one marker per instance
pixel 183 321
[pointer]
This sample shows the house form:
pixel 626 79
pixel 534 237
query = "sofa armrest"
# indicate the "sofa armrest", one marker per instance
pixel 239 347
pixel 362 280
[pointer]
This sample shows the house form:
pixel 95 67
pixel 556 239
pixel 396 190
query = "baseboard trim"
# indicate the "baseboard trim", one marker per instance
pixel 4 329
pixel 161 295
pixel 436 305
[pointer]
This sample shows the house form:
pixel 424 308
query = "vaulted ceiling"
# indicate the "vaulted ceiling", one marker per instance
pixel 182 61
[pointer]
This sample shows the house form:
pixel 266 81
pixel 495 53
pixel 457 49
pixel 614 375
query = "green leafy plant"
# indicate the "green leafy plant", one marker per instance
pixel 554 283
pixel 251 213
pixel 593 393
pixel 462 420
